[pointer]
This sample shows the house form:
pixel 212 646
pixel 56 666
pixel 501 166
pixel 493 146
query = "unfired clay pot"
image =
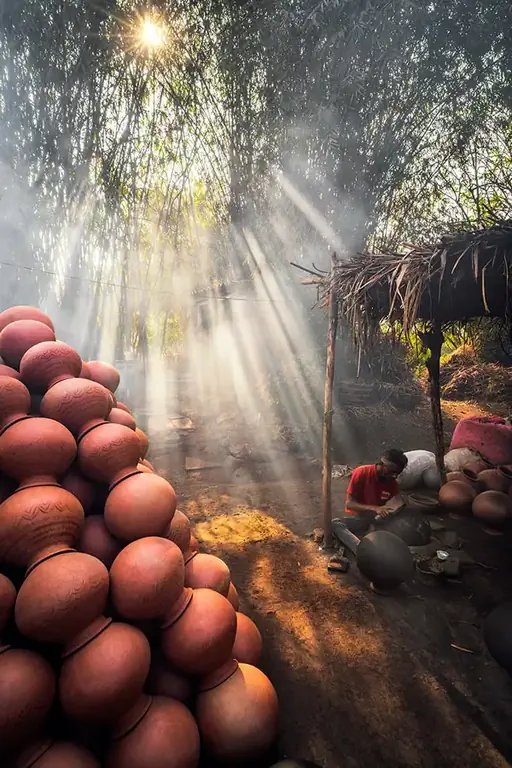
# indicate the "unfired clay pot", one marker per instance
pixel 146 578
pixel 493 480
pixel 164 680
pixel 85 491
pixel 18 337
pixel 457 497
pixel 179 531
pixel 142 505
pixel 5 370
pixel 238 714
pixel 61 597
pixel 7 601
pixel 199 632
pixel 165 736
pixel 37 522
pixel 144 442
pixel 36 451
pixel 248 645
pixel 57 754
pixel 14 401
pixel 118 416
pixel 233 597
pixel 45 364
pixel 104 374
pixel 493 508
pixel 27 691
pixel 103 671
pixel 208 572
pixel 96 540
pixel 384 559
pixel 109 453
pixel 23 312
pixel 78 404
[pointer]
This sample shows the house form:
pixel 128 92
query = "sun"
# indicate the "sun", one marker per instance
pixel 152 34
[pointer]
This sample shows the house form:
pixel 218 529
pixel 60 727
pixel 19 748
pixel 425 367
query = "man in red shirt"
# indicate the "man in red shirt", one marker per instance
pixel 373 492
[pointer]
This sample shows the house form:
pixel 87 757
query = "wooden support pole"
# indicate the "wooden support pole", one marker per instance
pixel 434 340
pixel 328 396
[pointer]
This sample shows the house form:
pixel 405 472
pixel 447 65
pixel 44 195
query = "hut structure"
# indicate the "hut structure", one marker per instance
pixel 425 289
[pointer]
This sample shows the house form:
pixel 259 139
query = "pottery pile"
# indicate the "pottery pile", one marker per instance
pixel 120 643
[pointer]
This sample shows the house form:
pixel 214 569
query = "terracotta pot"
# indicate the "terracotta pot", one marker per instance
pixel 207 572
pixel 144 442
pixel 148 465
pixel 424 505
pixel 248 645
pixel 109 453
pixel 36 522
pixel 85 373
pixel 193 546
pixel 61 596
pixel 493 480
pixel 142 505
pixel 27 691
pixel 409 526
pixel 23 312
pixel 179 531
pixel 384 559
pixel 493 508
pixel 164 680
pixel 165 737
pixel 7 601
pixel 82 489
pixel 143 468
pixel 123 407
pixel 96 540
pixel 238 718
pixel 199 632
pixel 79 404
pixel 465 476
pixel 498 635
pixel 146 578
pixel 18 337
pixel 14 401
pixel 103 671
pixel 5 370
pixel 457 497
pixel 57 754
pixel 477 466
pixel 45 364
pixel 104 374
pixel 36 451
pixel 233 597
pixel 118 416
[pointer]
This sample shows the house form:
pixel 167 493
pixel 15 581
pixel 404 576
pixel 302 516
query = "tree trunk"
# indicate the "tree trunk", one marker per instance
pixel 327 432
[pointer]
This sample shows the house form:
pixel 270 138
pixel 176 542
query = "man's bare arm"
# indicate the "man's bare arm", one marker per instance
pixel 361 509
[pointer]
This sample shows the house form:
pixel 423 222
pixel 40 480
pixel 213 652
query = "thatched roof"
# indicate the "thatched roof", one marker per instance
pixel 463 276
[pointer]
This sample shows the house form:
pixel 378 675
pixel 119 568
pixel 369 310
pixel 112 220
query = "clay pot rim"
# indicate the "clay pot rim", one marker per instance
pixel 178 608
pixel 189 556
pixel 470 474
pixel 40 749
pixel 506 471
pixel 132 473
pixel 40 560
pixel 90 429
pixel 5 648
pixel 15 421
pixel 87 635
pixel 24 487
pixel 219 676
pixel 130 720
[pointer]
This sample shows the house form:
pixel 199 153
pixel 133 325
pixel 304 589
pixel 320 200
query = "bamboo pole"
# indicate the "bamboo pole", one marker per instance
pixel 328 396
pixel 433 340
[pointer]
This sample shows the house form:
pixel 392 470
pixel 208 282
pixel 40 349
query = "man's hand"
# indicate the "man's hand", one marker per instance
pixel 384 512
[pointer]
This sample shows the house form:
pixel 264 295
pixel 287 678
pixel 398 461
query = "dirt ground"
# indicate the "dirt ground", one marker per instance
pixel 363 680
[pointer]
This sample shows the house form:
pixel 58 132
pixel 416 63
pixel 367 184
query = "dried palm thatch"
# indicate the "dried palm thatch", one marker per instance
pixel 463 276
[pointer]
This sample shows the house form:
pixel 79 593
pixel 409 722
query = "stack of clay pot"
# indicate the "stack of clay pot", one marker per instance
pixel 481 490
pixel 118 639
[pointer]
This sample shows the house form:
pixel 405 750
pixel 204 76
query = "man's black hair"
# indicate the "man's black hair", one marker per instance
pixel 396 457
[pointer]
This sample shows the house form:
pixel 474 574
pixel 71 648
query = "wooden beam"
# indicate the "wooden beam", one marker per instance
pixel 433 340
pixel 328 411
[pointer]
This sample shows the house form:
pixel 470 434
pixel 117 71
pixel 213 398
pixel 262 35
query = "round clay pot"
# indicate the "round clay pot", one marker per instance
pixel 45 364
pixel 36 522
pixel 493 480
pixel 82 489
pixel 164 680
pixel 23 312
pixel 108 453
pixel 465 476
pixel 14 401
pixel 165 737
pixel 238 718
pixel 179 531
pixel 146 578
pixel 148 465
pixel 207 572
pixel 6 371
pixel 96 540
pixel 493 508
pixel 498 635
pixel 27 691
pixel 103 672
pixel 59 754
pixel 197 636
pixel 409 526
pixel 7 601
pixel 61 596
pixel 18 337
pixel 123 407
pixel 424 505
pixel 193 546
pixel 142 505
pixel 457 497
pixel 233 597
pixel 85 372
pixel 144 442
pixel 477 466
pixel 248 645
pixel 384 559
pixel 36 451
pixel 143 468
pixel 118 416
pixel 104 374
pixel 78 404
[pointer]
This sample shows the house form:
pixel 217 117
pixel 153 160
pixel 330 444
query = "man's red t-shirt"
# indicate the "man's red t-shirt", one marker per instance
pixel 366 488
